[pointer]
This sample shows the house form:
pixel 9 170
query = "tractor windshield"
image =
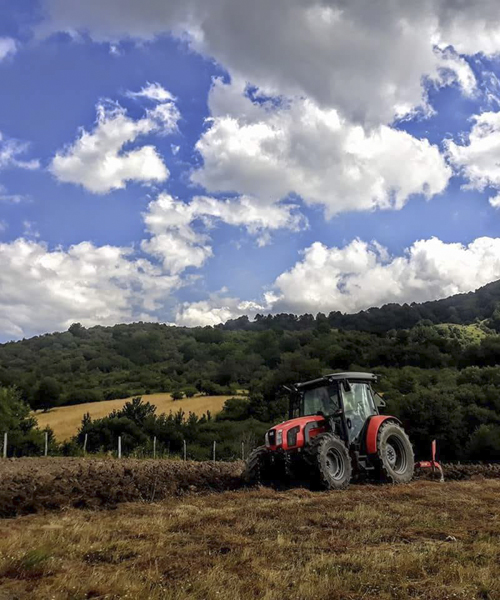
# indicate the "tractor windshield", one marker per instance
pixel 323 399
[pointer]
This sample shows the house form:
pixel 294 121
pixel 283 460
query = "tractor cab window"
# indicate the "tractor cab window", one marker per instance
pixel 323 399
pixel 358 406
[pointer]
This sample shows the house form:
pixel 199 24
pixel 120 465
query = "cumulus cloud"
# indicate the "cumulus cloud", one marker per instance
pixel 361 275
pixel 8 47
pixel 266 149
pixel 178 229
pixel 219 308
pixel 478 156
pixel 45 290
pixel 367 60
pixel 97 159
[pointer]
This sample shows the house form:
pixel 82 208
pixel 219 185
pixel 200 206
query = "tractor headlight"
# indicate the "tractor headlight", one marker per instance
pixel 279 437
pixel 291 436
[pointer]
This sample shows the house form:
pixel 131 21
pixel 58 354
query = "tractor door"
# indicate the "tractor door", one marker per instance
pixel 358 406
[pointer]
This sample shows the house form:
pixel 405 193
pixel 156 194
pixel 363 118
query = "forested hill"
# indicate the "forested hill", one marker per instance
pixel 441 379
pixel 459 309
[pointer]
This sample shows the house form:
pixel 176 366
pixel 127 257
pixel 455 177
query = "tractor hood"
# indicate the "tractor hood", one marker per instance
pixel 294 433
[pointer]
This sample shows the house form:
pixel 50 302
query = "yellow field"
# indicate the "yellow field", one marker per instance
pixel 65 420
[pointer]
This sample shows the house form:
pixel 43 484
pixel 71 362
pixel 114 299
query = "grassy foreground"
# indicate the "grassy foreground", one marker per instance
pixel 65 420
pixel 424 540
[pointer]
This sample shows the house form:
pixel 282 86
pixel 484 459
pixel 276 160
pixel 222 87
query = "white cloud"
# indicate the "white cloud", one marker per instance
pixel 97 159
pixel 6 197
pixel 217 309
pixel 180 244
pixel 268 151
pixel 153 91
pixel 495 201
pixel 367 60
pixel 3 225
pixel 45 290
pixel 165 112
pixel 8 47
pixel 361 275
pixel 30 230
pixel 10 149
pixel 478 157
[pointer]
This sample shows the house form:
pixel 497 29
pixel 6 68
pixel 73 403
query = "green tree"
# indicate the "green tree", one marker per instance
pixel 47 394
pixel 24 437
pixel 484 443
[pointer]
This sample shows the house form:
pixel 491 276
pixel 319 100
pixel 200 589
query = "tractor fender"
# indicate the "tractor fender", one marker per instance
pixel 372 431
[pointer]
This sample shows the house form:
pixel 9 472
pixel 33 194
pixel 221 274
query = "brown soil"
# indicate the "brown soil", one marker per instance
pixel 29 485
pixel 456 472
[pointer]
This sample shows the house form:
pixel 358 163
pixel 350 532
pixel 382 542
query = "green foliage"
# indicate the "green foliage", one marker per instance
pixel 484 443
pixel 46 394
pixel 137 424
pixel 439 363
pixel 24 436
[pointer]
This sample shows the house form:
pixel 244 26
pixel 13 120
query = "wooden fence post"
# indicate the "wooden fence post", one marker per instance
pixel 46 451
pixel 215 443
pixel 85 444
pixel 185 450
pixel 242 450
pixel 119 446
pixel 5 437
pixel 154 447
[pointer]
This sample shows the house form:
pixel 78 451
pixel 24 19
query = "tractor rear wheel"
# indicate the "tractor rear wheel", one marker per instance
pixel 395 458
pixel 329 459
pixel 257 469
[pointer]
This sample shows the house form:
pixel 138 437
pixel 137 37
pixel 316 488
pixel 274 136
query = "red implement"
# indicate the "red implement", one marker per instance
pixel 431 464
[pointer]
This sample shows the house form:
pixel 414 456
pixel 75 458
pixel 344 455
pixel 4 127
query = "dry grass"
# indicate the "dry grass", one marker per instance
pixel 424 540
pixel 65 420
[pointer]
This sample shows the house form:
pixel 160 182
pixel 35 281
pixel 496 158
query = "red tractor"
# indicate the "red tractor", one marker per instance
pixel 334 431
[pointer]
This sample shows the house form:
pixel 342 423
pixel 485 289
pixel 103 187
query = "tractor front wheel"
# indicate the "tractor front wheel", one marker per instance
pixel 396 462
pixel 329 459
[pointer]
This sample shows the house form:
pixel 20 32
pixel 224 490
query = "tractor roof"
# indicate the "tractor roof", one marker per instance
pixel 350 376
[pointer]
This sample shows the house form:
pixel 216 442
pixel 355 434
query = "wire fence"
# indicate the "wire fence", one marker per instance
pixel 156 451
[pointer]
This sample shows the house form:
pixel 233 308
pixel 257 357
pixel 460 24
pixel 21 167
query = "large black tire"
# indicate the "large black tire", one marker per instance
pixel 329 461
pixel 395 458
pixel 257 467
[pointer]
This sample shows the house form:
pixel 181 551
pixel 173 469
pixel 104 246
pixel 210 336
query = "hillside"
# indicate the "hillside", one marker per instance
pixel 441 379
pixel 458 309
pixel 66 420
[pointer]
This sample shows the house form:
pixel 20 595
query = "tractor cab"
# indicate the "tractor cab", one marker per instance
pixel 346 398
pixel 334 431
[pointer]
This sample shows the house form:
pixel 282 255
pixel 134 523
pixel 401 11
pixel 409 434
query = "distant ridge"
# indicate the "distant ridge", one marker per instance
pixel 461 309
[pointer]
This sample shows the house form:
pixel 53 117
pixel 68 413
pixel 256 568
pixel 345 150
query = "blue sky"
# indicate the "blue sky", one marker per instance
pixel 288 190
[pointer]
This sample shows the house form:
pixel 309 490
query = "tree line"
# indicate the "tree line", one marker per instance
pixel 441 379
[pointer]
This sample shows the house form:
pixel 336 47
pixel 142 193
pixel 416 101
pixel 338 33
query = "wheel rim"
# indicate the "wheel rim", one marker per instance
pixel 335 464
pixel 396 454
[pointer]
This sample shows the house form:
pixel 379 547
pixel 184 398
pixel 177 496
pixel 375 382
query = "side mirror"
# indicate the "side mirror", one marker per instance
pixel 379 401
pixel 347 385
